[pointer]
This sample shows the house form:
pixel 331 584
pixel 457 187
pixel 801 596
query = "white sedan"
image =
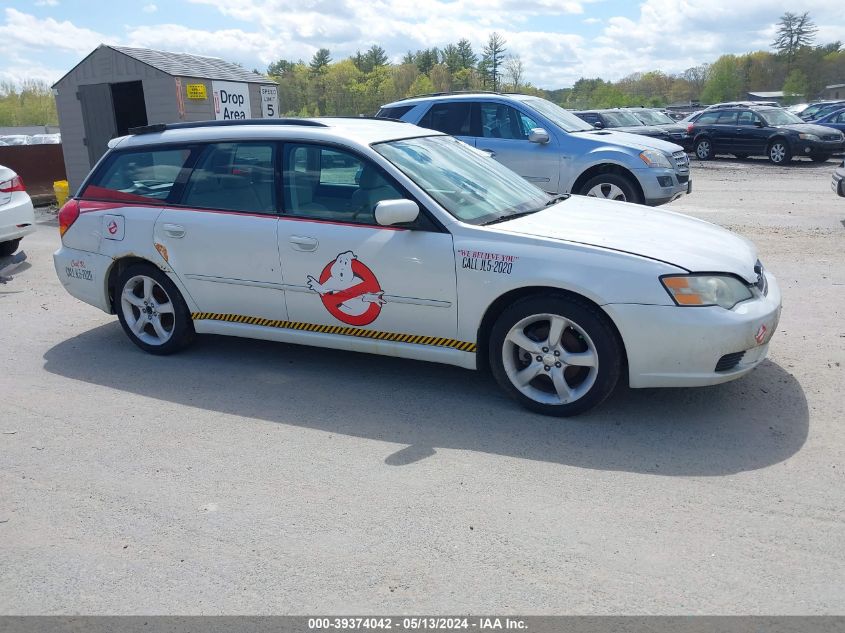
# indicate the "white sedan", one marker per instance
pixel 382 237
pixel 17 217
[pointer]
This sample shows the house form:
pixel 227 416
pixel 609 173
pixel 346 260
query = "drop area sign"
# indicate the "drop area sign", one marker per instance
pixel 231 100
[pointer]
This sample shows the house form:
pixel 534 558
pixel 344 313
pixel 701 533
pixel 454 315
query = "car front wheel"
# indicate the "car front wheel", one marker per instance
pixel 556 355
pixel 779 152
pixel 703 149
pixel 610 187
pixel 151 310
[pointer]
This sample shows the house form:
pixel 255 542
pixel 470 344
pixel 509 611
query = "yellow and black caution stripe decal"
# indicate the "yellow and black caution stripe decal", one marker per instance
pixel 337 329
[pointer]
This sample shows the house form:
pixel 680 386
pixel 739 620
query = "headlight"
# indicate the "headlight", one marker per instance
pixel 653 158
pixel 706 290
pixel 808 137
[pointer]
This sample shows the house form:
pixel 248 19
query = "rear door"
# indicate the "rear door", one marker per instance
pixel 221 237
pixel 724 132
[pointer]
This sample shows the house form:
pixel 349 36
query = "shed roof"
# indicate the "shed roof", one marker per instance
pixel 186 65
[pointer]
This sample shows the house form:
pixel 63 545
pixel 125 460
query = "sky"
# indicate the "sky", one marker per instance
pixel 559 41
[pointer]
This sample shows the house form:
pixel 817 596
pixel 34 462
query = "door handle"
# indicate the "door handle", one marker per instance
pixel 174 230
pixel 302 243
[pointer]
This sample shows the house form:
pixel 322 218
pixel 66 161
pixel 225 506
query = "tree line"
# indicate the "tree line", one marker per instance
pixel 30 103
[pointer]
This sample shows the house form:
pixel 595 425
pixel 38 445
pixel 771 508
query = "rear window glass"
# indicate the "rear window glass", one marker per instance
pixel 138 176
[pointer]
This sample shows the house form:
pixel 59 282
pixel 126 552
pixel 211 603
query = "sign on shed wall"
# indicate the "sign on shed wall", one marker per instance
pixel 269 102
pixel 231 100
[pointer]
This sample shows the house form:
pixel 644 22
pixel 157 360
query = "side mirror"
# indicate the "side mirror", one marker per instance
pixel 598 125
pixel 758 124
pixel 538 135
pixel 390 212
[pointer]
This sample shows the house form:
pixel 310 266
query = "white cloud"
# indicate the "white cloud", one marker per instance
pixel 22 31
pixel 47 3
pixel 149 8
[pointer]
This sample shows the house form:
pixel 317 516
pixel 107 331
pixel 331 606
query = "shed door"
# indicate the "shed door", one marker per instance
pixel 98 118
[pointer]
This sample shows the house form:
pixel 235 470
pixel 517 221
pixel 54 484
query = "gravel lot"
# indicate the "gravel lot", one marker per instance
pixel 250 477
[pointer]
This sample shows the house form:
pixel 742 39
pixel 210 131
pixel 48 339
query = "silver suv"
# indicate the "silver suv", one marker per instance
pixel 553 148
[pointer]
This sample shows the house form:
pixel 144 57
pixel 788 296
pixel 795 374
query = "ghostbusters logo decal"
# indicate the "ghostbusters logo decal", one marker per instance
pixel 349 290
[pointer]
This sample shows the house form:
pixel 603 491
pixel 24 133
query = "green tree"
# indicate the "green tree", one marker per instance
pixel 466 56
pixel 794 31
pixel 375 57
pixel 725 82
pixel 322 58
pixel 796 87
pixel 493 57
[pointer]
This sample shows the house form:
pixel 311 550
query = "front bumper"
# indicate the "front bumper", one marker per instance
pixel 17 218
pixel 837 183
pixel 823 148
pixel 663 185
pixel 671 346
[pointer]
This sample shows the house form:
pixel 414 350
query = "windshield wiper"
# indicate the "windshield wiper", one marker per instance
pixel 556 199
pixel 512 216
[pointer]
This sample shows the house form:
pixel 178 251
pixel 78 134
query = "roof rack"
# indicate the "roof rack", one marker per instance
pixel 161 127
pixel 451 92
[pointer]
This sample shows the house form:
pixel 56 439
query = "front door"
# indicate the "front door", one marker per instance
pixel 341 268
pixel 504 134
pixel 221 237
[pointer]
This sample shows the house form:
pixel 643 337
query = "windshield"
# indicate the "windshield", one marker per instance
pixel 621 119
pixel 567 121
pixel 653 117
pixel 468 184
pixel 779 117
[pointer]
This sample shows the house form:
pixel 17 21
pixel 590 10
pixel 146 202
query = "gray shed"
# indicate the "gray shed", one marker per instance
pixel 116 88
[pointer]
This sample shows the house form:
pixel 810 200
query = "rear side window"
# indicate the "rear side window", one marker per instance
pixel 396 112
pixel 233 177
pixel 144 176
pixel 708 118
pixel 450 118
pixel 727 118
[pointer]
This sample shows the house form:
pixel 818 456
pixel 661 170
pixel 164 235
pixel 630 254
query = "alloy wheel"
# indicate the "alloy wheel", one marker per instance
pixel 148 310
pixel 607 190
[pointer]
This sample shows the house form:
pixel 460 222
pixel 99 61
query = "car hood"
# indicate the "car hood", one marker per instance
pixel 809 128
pixel 676 239
pixel 631 141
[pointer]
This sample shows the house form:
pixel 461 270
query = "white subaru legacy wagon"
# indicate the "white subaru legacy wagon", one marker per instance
pixel 383 237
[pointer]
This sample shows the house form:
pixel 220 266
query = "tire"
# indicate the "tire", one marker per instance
pixel 142 291
pixel 819 158
pixel 703 149
pixel 521 336
pixel 779 152
pixel 9 248
pixel 611 187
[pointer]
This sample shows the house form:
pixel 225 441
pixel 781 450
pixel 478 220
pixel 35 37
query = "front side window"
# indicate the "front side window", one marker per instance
pixel 502 121
pixel 327 183
pixel 472 187
pixel 144 176
pixel 233 177
pixel 747 118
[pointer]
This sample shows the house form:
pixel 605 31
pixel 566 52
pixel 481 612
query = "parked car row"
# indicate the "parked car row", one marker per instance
pixel 30 139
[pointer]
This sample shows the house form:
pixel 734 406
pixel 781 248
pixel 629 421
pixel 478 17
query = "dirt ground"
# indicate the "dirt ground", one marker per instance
pixel 250 477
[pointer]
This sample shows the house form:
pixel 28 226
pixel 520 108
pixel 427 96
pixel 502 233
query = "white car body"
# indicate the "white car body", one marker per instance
pixel 261 276
pixel 17 217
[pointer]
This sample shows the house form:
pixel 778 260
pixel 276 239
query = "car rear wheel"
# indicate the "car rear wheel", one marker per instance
pixel 819 158
pixel 703 149
pixel 610 187
pixel 779 152
pixel 151 310
pixel 555 355
pixel 8 248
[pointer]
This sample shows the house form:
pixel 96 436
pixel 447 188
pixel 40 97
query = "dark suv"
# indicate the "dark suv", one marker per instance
pixel 762 131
